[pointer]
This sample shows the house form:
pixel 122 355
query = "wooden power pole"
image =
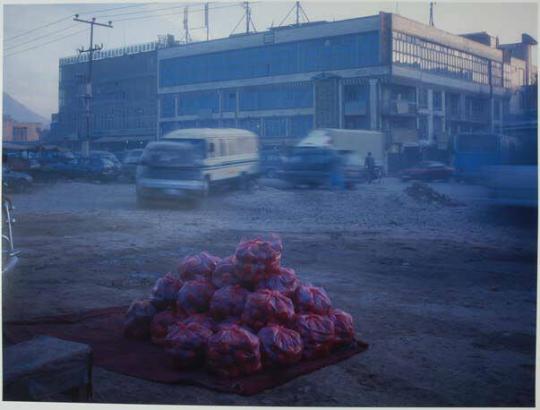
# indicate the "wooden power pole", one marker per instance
pixel 85 148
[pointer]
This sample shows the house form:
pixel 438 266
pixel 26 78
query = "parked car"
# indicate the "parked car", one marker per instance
pixel 106 155
pixel 85 168
pixel 129 163
pixel 15 181
pixel 428 171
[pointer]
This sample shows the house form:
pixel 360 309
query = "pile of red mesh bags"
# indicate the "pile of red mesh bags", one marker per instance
pixel 233 351
pixel 159 327
pixel 186 343
pixel 267 307
pixel 317 333
pixel 280 346
pixel 228 302
pixel 284 281
pixel 225 273
pixel 194 296
pixel 138 319
pixel 240 314
pixel 165 290
pixel 199 266
pixel 257 259
pixel 311 299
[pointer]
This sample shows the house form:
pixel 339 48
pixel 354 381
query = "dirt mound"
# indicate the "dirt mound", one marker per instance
pixel 422 192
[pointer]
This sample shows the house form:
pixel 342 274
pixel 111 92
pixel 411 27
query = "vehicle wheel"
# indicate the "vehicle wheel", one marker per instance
pixel 142 202
pixel 244 182
pixel 271 173
pixel 349 185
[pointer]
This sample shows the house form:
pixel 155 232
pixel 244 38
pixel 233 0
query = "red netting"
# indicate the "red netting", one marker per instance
pixel 285 282
pixel 165 290
pixel 228 301
pixel 186 344
pixel 317 334
pixel 159 327
pixel 198 266
pixel 138 319
pixel 311 299
pixel 280 346
pixel 343 326
pixel 257 258
pixel 233 351
pixel 225 273
pixel 267 307
pixel 194 296
pixel 201 319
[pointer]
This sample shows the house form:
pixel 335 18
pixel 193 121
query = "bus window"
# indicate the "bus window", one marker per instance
pixel 222 148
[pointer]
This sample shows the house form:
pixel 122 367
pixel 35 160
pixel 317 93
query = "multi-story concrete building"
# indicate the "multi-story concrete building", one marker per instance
pixel 124 97
pixel 415 82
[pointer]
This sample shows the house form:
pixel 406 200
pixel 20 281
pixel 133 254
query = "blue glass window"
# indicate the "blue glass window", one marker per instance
pixel 194 103
pixel 167 106
pixel 301 125
pixel 298 95
pixel 329 53
pixel 275 127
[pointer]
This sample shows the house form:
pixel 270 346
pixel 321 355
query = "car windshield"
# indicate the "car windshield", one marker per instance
pixel 172 154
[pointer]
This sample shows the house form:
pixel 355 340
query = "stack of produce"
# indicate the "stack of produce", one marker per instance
pixel 239 314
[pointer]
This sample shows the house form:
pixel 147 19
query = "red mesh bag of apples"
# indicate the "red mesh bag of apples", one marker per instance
pixel 285 281
pixel 228 301
pixel 343 326
pixel 138 319
pixel 267 307
pixel 159 327
pixel 257 258
pixel 317 333
pixel 186 344
pixel 312 299
pixel 233 351
pixel 202 319
pixel 280 346
pixel 225 273
pixel 165 290
pixel 195 296
pixel 200 266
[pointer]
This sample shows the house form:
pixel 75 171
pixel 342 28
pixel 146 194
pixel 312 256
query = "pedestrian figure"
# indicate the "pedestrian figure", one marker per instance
pixel 369 164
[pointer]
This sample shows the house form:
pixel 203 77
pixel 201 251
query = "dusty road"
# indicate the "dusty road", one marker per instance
pixel 446 296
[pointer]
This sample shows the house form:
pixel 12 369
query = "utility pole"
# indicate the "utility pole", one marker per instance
pixel 431 4
pixel 298 13
pixel 206 19
pixel 85 148
pixel 187 37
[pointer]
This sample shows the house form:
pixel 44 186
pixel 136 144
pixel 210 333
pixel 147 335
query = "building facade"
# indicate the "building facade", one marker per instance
pixel 15 131
pixel 385 72
pixel 124 97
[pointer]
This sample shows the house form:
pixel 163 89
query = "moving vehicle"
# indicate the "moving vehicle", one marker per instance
pixel 474 151
pixel 15 181
pixel 129 163
pixel 428 171
pixel 355 142
pixel 191 162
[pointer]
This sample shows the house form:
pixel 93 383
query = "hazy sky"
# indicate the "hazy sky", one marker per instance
pixel 31 59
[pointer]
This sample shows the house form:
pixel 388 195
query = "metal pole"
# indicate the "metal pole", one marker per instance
pixel 248 17
pixel 297 13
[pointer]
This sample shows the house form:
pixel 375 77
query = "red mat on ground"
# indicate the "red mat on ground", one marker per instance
pixel 102 330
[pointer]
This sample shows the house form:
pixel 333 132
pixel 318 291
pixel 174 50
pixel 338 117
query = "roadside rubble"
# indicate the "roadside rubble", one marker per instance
pixel 422 192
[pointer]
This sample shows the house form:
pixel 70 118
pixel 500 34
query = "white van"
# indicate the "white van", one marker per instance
pixel 189 162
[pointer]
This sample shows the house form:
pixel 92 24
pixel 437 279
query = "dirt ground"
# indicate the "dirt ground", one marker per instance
pixel 444 295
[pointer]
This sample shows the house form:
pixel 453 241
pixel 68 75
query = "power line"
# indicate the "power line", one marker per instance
pixel 38 28
pixel 31 40
pixel 171 14
pixel 41 45
pixel 115 8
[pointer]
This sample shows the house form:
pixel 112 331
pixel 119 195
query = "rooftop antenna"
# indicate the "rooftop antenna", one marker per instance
pixel 300 14
pixel 206 8
pixel 431 4
pixel 187 37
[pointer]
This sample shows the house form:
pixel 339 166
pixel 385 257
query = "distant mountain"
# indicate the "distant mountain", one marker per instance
pixel 20 112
